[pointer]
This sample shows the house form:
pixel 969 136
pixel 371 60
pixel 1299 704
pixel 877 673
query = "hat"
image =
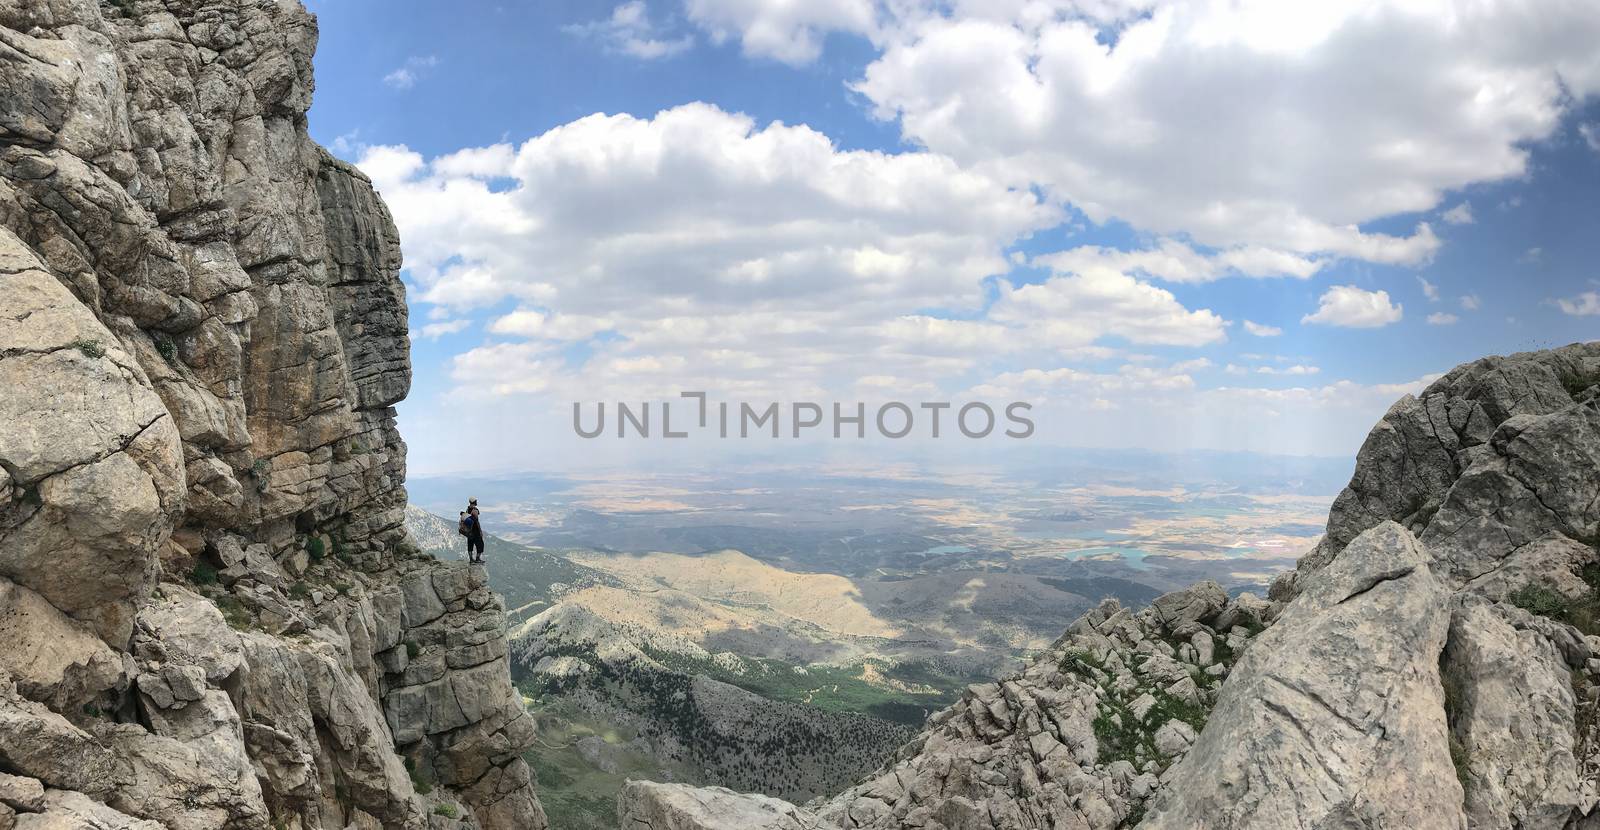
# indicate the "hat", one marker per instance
pixel 472 501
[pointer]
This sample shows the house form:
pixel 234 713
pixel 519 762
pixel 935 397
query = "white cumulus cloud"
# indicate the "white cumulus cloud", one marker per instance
pixel 1261 330
pixel 1264 123
pixel 1350 307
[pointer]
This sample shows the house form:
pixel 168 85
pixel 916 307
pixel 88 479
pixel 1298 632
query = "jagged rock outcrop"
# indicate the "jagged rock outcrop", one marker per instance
pixel 1432 697
pixel 1078 739
pixel 214 617
pixel 1433 663
pixel 1492 468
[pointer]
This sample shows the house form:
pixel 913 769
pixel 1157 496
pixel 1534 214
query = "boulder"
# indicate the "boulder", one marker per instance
pixel 650 806
pixel 1335 716
pixel 19 793
pixel 67 810
pixel 1180 610
pixel 52 658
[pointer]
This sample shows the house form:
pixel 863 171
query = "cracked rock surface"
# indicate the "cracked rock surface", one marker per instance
pixel 213 615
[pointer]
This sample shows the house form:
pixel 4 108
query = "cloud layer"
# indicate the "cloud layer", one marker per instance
pixel 1244 141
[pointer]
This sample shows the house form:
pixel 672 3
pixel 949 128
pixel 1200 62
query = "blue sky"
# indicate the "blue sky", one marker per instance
pixel 1098 207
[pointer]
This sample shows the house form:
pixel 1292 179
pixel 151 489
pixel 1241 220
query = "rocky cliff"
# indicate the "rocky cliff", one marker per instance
pixel 213 614
pixel 1433 663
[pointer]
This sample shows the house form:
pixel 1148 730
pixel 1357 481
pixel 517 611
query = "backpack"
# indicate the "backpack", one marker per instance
pixel 461 526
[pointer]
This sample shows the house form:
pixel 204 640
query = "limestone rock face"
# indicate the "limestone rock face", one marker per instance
pixel 1335 716
pixel 213 614
pixel 1511 707
pixel 92 459
pixel 1493 456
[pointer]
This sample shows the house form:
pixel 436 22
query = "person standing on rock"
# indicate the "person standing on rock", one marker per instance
pixel 474 532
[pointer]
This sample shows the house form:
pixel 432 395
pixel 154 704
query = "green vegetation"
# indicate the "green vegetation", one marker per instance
pixel 1582 613
pixel 166 348
pixel 1084 664
pixel 299 590
pixel 1576 384
pixel 203 574
pixel 580 811
pixel 89 348
pixel 446 810
pixel 1121 734
pixel 315 548
pixel 832 688
pixel 412 650
pixel 576 795
pixel 799 745
pixel 1458 753
pixel 261 471
pixel 235 613
pixel 1458 758
pixel 1222 653
pixel 339 551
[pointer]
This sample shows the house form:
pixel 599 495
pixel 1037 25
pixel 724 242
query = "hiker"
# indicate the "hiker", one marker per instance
pixel 471 526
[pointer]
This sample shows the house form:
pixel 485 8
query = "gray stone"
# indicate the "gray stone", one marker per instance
pixel 1511 711
pixel 24 794
pixel 52 657
pixel 649 806
pixel 1179 610
pixel 1335 715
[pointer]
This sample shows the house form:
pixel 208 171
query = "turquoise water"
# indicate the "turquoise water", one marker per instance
pixel 1132 557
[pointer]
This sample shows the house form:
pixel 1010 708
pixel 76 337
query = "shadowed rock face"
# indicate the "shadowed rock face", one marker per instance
pixel 213 615
pixel 1394 680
